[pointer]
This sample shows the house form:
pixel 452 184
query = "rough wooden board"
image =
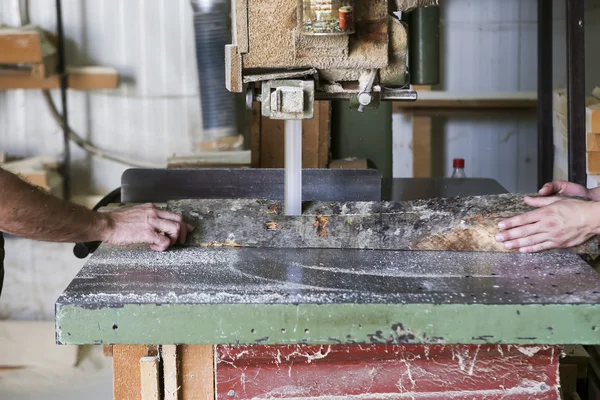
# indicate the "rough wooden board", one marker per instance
pixel 463 224
pixel 233 69
pixel 80 78
pixel 197 372
pixel 241 24
pixel 127 380
pixel 149 378
pixel 170 372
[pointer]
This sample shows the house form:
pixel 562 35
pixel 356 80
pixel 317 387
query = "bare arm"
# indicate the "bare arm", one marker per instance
pixel 29 212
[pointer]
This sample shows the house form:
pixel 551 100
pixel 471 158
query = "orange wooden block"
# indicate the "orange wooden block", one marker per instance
pixel 593 162
pixel 592 122
pixel 593 142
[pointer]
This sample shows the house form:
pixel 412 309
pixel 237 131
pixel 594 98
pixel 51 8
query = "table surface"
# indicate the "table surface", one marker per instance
pixel 317 296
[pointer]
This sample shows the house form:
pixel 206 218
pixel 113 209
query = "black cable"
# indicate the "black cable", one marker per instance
pixel 82 250
pixel 63 96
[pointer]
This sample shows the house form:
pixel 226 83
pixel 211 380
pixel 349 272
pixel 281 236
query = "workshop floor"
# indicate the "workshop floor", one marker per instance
pixel 90 380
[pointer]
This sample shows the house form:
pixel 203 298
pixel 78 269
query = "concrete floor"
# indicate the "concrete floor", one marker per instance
pixel 90 380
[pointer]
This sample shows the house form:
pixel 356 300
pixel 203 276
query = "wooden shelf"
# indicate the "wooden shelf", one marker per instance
pixel 79 78
pixel 452 103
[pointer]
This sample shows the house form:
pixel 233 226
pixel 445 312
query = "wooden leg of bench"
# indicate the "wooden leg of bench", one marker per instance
pixel 127 383
pixel 197 372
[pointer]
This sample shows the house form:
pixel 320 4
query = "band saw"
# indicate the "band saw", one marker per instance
pixel 337 284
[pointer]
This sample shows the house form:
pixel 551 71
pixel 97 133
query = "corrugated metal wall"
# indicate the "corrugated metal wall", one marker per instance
pixel 155 112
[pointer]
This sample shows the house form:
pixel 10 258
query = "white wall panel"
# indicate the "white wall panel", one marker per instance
pixel 487 46
pixel 154 113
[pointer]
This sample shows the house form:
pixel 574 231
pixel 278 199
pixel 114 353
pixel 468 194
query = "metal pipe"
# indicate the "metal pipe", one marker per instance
pixel 293 167
pixel 424 46
pixel 576 91
pixel 212 31
pixel 545 89
pixel 61 69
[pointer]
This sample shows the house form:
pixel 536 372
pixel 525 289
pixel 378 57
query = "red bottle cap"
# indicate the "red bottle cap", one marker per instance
pixel 459 163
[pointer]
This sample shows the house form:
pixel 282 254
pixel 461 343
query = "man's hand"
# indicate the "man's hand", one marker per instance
pixel 145 224
pixel 564 187
pixel 558 223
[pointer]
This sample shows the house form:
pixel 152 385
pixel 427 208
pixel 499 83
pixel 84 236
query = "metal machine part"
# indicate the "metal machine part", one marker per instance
pixel 424 45
pixel 162 185
pixel 349 50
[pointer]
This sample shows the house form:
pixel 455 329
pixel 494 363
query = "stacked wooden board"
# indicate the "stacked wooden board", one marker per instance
pixel 29 60
pixel 561 136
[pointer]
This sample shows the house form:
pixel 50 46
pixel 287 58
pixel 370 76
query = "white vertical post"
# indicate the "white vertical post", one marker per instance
pixel 293 167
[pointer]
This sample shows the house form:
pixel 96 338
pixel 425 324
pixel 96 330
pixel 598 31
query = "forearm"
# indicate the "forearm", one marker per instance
pixel 29 212
pixel 595 194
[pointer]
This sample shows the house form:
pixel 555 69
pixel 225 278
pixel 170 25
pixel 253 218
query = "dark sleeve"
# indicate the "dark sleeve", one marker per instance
pixel 1 262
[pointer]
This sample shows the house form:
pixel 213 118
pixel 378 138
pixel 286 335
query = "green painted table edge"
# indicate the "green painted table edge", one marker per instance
pixel 279 324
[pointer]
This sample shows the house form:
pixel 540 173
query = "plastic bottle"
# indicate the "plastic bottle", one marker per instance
pixel 459 168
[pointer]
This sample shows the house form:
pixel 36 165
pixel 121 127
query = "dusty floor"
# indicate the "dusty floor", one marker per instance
pixel 91 379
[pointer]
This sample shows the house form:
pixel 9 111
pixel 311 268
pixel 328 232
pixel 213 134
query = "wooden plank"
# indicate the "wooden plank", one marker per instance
pixel 421 147
pixel 592 114
pixel 593 162
pixel 214 159
pixel 324 144
pixel 127 379
pixel 460 224
pixel 107 350
pixel 23 45
pixel 197 372
pixel 233 69
pixel 593 142
pixel 46 68
pixel 241 25
pixel 255 134
pixel 170 372
pixel 568 377
pixel 150 385
pixel 455 101
pixel 316 135
pixel 80 78
pixel 576 354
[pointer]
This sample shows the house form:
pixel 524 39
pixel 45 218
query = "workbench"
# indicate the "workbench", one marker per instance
pixel 333 323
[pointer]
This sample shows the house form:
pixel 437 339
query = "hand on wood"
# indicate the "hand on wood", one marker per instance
pixel 557 223
pixel 564 187
pixel 146 224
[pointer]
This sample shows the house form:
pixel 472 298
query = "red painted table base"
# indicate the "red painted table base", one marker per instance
pixel 388 372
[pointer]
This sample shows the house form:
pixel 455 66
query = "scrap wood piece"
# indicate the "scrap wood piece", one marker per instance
pixel 150 387
pixel 24 45
pixel 170 372
pixel 459 223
